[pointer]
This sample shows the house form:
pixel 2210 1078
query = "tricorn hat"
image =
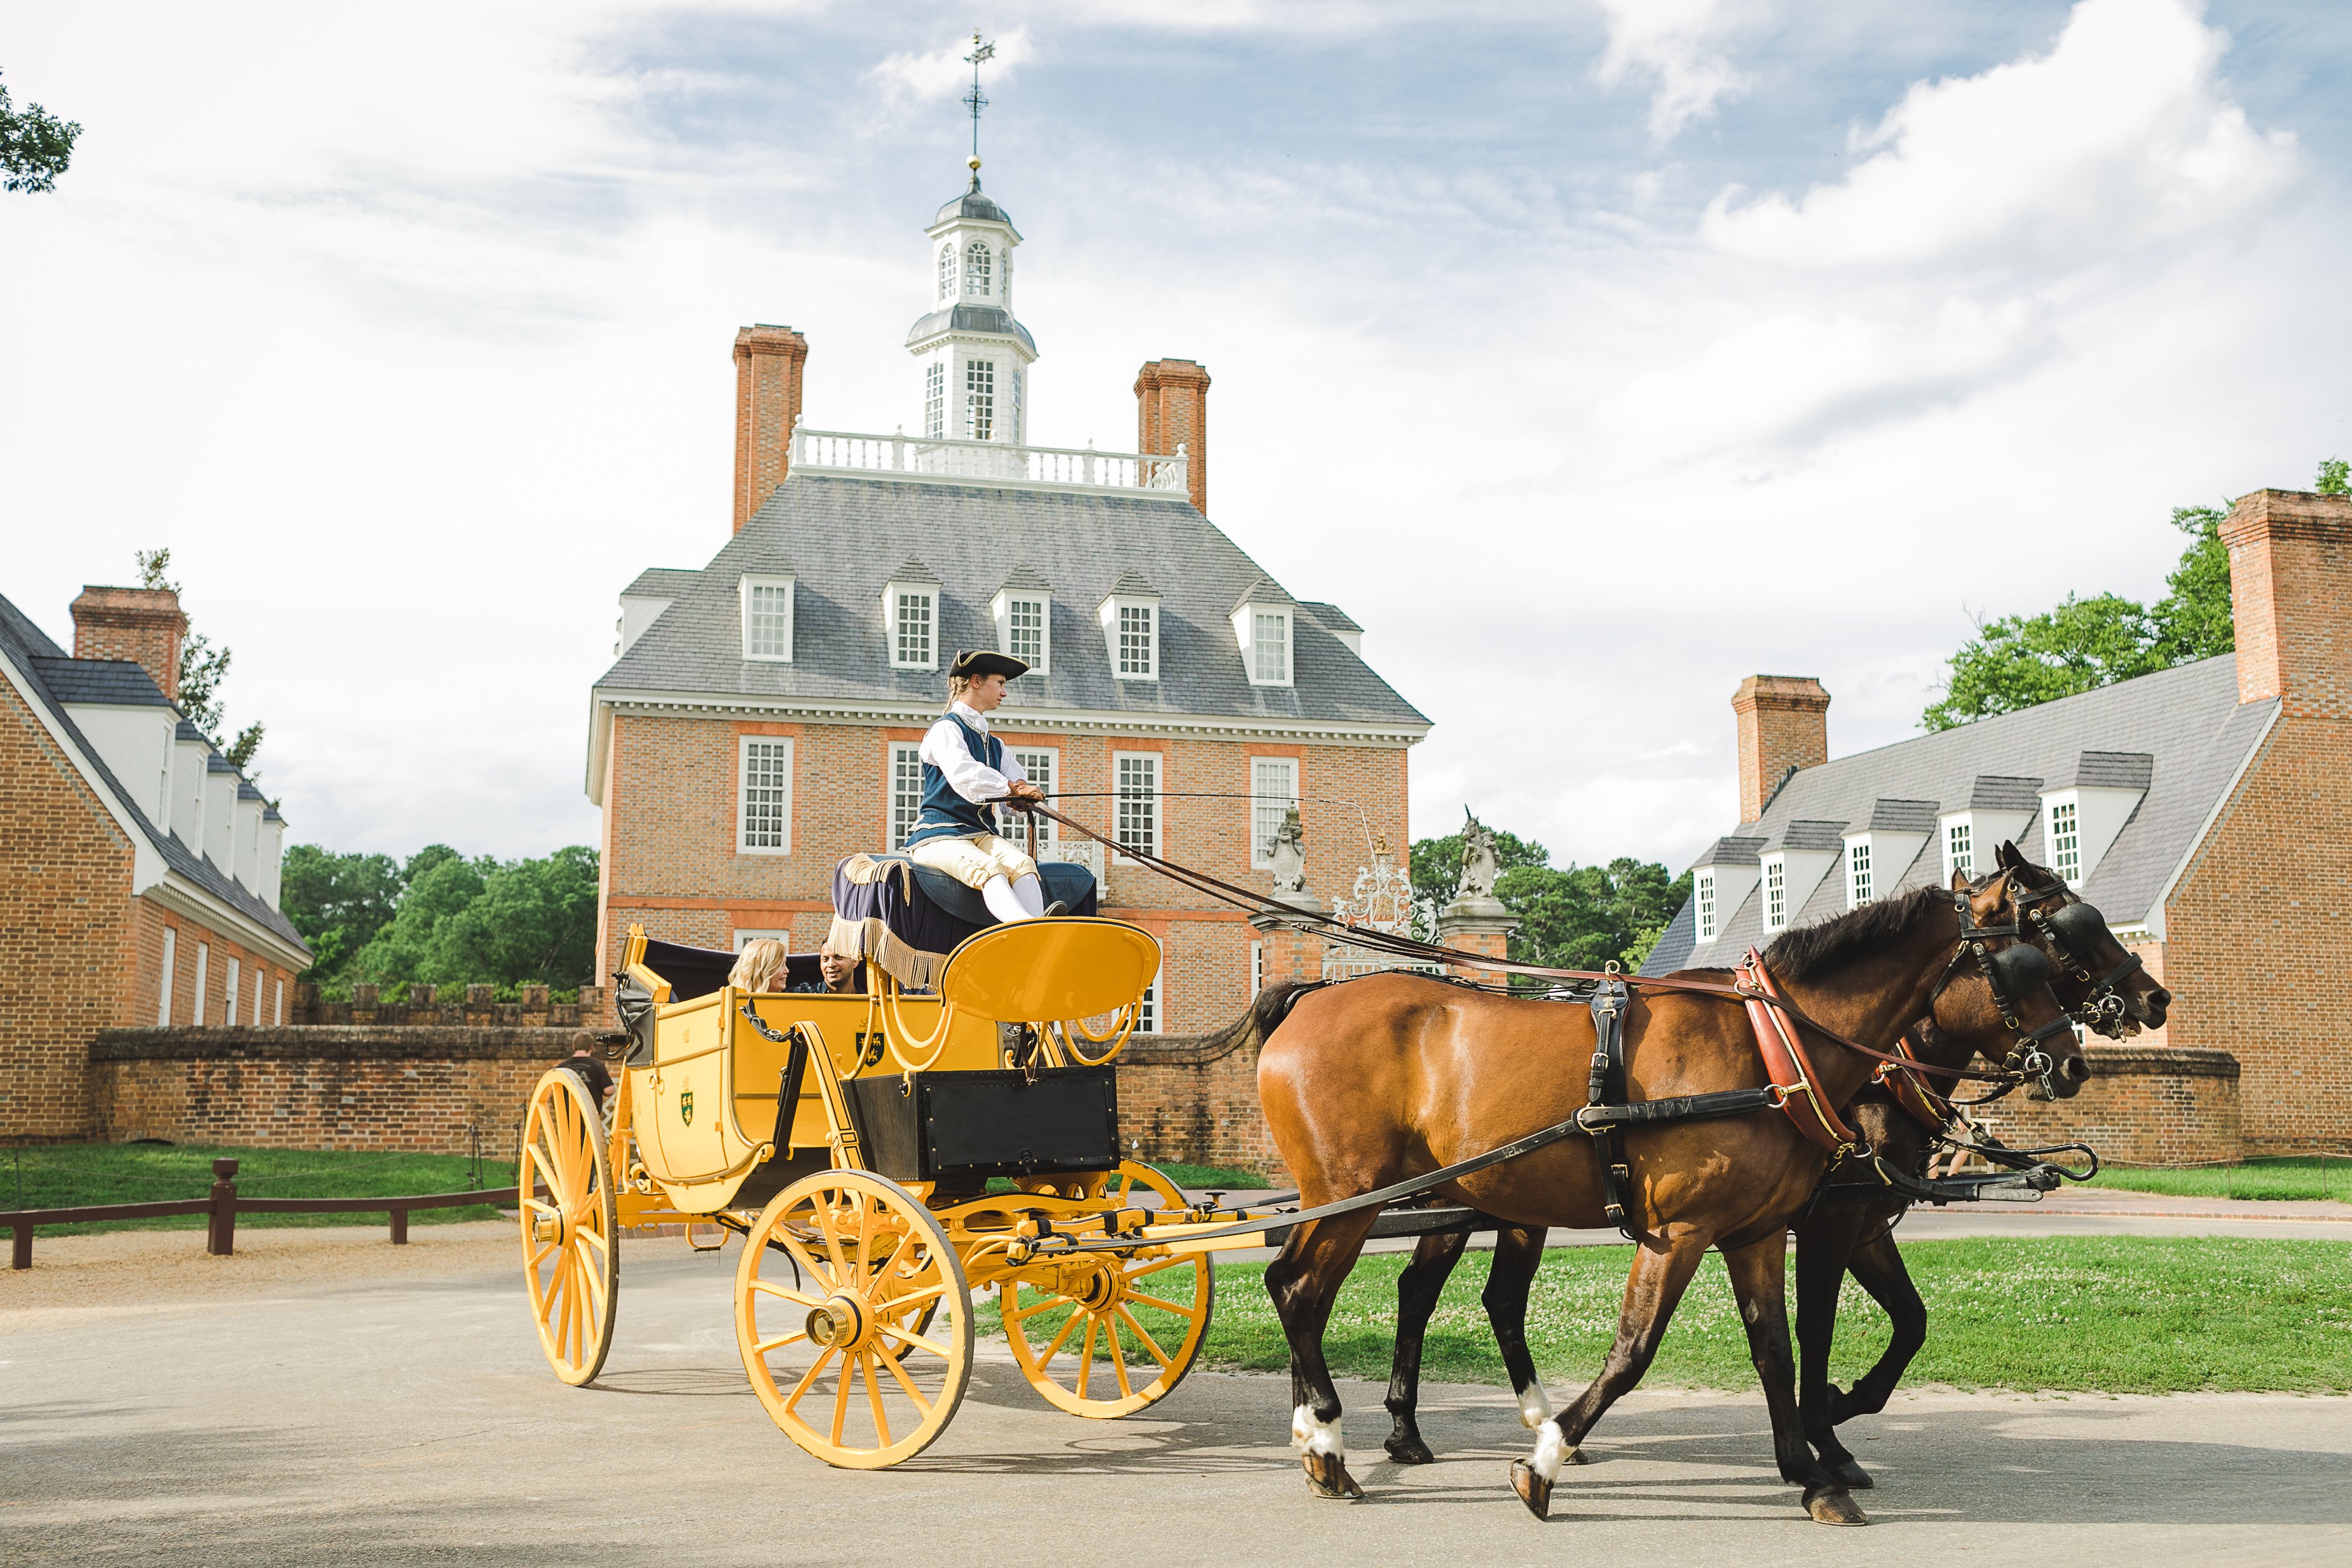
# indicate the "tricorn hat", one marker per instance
pixel 972 665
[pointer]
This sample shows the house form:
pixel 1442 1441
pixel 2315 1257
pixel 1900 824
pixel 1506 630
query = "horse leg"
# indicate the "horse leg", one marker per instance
pixel 1660 1272
pixel 1879 1267
pixel 1304 1282
pixel 1518 1252
pixel 1824 1242
pixel 1418 1289
pixel 1759 1280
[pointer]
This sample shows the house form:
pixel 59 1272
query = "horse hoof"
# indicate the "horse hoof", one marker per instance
pixel 1410 1451
pixel 1533 1490
pixel 1327 1476
pixel 1576 1456
pixel 1849 1475
pixel 1831 1506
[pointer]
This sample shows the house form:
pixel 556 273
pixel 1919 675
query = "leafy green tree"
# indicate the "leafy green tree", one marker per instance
pixel 203 668
pixel 338 901
pixel 2335 477
pixel 460 921
pixel 409 948
pixel 1579 918
pixel 35 146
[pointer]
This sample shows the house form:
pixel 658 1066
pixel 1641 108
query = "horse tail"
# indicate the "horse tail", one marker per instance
pixel 1258 1023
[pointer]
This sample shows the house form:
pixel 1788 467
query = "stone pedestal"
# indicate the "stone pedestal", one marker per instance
pixel 1291 953
pixel 1474 924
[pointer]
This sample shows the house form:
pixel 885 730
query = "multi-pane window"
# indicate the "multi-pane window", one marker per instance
pixel 1703 903
pixel 203 963
pixel 1137 785
pixel 980 400
pixel 1146 1013
pixel 906 791
pixel 767 620
pixel 1135 639
pixel 228 1008
pixel 1776 896
pixel 2065 841
pixel 1257 967
pixel 1960 853
pixel 910 643
pixel 1270 647
pixel 1858 873
pixel 1015 377
pixel 935 402
pixel 1042 767
pixel 765 813
pixel 947 270
pixel 171 959
pixel 1274 792
pixel 975 268
pixel 1024 629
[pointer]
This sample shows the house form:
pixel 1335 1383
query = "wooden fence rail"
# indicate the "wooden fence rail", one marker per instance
pixel 222 1205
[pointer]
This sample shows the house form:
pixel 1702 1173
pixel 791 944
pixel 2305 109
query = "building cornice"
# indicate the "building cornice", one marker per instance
pixel 177 893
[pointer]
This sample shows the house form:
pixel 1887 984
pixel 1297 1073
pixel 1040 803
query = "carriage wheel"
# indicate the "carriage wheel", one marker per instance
pixel 1089 1340
pixel 863 1355
pixel 571 1262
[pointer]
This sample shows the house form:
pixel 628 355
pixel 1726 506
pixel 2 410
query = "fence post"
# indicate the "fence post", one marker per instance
pixel 221 1240
pixel 20 1256
pixel 400 1227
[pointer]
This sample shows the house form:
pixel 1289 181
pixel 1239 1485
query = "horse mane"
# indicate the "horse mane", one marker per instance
pixel 1809 952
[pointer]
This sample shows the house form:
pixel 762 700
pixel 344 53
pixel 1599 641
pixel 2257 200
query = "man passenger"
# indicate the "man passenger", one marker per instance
pixel 965 768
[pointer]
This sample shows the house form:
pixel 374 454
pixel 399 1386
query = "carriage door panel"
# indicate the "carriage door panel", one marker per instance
pixel 690 1099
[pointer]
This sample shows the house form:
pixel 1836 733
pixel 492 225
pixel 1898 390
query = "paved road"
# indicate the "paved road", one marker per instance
pixel 412 1421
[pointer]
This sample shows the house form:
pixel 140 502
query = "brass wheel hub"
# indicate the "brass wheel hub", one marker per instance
pixel 556 1227
pixel 841 1323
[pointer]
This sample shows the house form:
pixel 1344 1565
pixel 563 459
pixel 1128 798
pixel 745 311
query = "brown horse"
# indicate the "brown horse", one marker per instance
pixel 1372 1082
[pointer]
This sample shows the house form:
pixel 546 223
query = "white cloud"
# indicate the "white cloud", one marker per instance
pixel 1680 45
pixel 909 77
pixel 2117 136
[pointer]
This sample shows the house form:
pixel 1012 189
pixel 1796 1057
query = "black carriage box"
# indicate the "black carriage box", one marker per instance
pixel 995 1124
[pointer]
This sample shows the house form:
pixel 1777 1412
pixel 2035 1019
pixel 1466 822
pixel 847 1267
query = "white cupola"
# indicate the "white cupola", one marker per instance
pixel 974 355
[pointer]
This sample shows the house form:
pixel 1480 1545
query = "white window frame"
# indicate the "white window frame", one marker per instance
pixel 1042 764
pixel 1776 892
pixel 902 809
pixel 1959 847
pixel 1267 635
pixel 236 983
pixel 253 1013
pixel 898 600
pixel 1112 616
pixel 1702 909
pixel 947 270
pixel 2064 836
pixel 935 402
pixel 1146 1013
pixel 1860 884
pixel 1002 609
pixel 1257 967
pixel 1121 795
pixel 980 400
pixel 781 755
pixel 748 591
pixel 170 961
pixel 744 934
pixel 204 963
pixel 278 1002
pixel 1261 791
pixel 978 268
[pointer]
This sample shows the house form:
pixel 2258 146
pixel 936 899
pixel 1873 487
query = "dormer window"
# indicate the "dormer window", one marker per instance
pixel 1960 850
pixel 1130 623
pixel 976 268
pixel 1023 613
pixel 1263 626
pixel 947 270
pixel 2065 841
pixel 1857 872
pixel 767 604
pixel 910 613
pixel 1703 903
pixel 1776 893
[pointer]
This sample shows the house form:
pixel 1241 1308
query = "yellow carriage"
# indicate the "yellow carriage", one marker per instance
pixel 885 1158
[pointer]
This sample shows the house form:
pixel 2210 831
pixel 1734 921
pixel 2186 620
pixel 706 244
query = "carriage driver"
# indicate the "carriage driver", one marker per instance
pixel 965 768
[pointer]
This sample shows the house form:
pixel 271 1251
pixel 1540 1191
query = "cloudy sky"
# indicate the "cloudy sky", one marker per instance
pixel 1592 356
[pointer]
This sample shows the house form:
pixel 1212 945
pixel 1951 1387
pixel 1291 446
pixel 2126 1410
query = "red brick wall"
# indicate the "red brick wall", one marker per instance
pixel 65 943
pixel 409 1089
pixel 2142 1106
pixel 1172 408
pixel 768 362
pixel 143 625
pixel 1783 723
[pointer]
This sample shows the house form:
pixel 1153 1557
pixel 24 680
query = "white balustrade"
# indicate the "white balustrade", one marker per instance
pixel 1038 468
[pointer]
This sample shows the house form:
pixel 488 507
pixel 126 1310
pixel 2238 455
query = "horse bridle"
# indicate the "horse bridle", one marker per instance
pixel 2009 971
pixel 2069 931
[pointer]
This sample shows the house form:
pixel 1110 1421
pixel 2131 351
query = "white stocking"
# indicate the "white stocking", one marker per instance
pixel 997 894
pixel 1031 895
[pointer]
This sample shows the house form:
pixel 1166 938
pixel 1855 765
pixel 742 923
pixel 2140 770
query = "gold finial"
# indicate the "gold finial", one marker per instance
pixel 972 163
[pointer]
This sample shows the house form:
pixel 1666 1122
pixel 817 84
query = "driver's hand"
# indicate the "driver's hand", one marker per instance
pixel 1023 791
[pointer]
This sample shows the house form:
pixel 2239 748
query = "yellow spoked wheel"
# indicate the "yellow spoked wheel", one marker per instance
pixel 1103 1335
pixel 571 1263
pixel 861 1355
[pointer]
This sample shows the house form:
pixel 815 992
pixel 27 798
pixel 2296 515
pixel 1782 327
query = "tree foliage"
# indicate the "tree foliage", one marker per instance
pixel 442 919
pixel 35 146
pixel 203 668
pixel 2020 660
pixel 1577 918
pixel 2335 477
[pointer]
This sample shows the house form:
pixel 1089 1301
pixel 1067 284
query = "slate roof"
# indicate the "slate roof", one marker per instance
pixel 661 583
pixel 992 318
pixel 2179 733
pixel 842 533
pixel 52 673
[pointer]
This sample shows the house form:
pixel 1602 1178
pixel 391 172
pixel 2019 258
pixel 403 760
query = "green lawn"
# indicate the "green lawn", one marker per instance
pixel 2269 1180
pixel 2116 1314
pixel 73 1175
pixel 1217 1178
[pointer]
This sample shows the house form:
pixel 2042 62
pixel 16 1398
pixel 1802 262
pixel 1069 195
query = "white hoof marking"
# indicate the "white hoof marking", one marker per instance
pixel 1535 1407
pixel 1309 1435
pixel 1552 1452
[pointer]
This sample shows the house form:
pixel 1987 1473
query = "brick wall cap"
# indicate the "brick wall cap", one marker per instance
pixel 336 1042
pixel 2158 1062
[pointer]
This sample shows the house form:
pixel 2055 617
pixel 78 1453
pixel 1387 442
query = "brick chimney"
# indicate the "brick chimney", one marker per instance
pixel 142 624
pixel 1171 407
pixel 1783 723
pixel 2291 595
pixel 767 362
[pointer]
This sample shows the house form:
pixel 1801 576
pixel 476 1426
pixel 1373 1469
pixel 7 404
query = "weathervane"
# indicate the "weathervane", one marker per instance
pixel 976 99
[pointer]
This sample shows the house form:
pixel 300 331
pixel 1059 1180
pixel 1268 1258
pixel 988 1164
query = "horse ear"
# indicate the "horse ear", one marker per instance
pixel 1960 883
pixel 2006 857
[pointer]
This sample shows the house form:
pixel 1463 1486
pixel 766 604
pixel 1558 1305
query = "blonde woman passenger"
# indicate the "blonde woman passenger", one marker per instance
pixel 760 967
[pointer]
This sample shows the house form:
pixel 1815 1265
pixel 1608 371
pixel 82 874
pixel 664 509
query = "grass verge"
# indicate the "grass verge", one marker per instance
pixel 2121 1314
pixel 2269 1181
pixel 73 1175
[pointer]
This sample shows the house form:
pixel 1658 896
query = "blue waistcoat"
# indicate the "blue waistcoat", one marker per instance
pixel 948 815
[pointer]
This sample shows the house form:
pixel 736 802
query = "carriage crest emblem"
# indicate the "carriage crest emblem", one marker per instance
pixel 685 1107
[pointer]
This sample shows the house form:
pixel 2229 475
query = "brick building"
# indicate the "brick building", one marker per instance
pixel 2206 811
pixel 138 869
pixel 762 717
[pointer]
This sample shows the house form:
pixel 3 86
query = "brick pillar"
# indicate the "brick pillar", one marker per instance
pixel 1783 724
pixel 768 362
pixel 2291 595
pixel 1172 408
pixel 1488 936
pixel 142 624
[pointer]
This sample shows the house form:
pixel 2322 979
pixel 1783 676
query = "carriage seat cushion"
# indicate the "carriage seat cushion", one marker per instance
pixel 1074 885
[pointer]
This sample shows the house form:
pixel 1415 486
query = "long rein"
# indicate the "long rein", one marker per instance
pixel 1430 952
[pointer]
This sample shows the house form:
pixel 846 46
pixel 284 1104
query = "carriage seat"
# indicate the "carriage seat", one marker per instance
pixel 1072 884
